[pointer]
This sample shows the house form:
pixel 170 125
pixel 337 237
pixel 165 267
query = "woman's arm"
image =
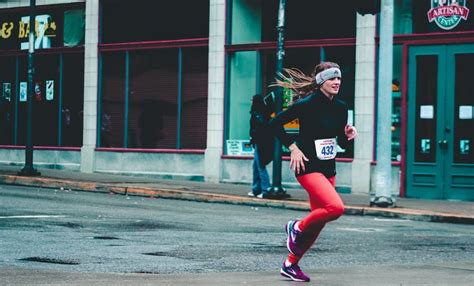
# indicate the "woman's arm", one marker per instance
pixel 276 123
pixel 297 158
pixel 346 132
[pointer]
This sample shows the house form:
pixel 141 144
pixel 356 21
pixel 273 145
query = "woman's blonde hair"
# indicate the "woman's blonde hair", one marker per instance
pixel 300 83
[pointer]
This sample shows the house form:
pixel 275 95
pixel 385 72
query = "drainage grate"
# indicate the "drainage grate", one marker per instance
pixel 50 260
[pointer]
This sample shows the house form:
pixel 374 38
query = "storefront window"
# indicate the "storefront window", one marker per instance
pixel 252 71
pixel 58 83
pixel 166 105
pixel 154 96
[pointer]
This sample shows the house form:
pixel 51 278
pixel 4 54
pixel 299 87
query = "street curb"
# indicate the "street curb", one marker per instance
pixel 411 214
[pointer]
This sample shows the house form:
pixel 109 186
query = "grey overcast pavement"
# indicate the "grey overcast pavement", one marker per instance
pixel 415 209
pixel 446 275
pixel 50 236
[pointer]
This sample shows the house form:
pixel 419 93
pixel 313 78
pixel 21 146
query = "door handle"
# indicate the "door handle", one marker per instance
pixel 443 144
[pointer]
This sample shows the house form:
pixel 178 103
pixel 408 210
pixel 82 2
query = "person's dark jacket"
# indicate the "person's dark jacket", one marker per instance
pixel 260 132
pixel 319 118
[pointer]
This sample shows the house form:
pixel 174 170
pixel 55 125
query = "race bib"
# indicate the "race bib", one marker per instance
pixel 326 148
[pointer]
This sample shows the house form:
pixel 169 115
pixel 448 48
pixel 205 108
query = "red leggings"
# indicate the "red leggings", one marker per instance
pixel 326 205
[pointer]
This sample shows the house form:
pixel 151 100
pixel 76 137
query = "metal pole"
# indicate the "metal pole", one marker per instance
pixel 383 169
pixel 277 188
pixel 28 169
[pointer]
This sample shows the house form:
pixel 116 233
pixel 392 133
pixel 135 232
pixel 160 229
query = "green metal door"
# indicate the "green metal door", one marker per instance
pixel 440 128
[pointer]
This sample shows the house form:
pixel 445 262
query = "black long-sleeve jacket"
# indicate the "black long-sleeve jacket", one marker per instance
pixel 319 118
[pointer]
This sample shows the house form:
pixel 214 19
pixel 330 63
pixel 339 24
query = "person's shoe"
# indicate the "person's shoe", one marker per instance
pixel 282 195
pixel 294 273
pixel 292 236
pixel 265 195
pixel 251 194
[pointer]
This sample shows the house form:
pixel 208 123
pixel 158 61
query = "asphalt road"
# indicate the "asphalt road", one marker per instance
pixel 89 238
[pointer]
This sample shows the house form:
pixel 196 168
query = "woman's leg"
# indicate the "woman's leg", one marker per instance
pixel 326 205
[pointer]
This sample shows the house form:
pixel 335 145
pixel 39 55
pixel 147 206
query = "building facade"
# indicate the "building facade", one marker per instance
pixel 163 89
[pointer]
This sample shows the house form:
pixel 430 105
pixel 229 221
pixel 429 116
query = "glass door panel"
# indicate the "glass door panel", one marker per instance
pixel 426 107
pixel 463 110
pixel 425 158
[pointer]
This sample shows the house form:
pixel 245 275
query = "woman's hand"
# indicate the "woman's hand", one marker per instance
pixel 297 159
pixel 350 131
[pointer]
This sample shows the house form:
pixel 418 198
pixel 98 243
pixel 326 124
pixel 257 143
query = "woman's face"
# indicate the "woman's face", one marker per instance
pixel 331 87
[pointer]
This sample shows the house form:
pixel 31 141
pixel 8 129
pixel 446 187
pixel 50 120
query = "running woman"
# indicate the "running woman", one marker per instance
pixel 323 126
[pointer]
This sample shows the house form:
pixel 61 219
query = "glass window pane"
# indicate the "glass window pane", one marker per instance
pixel 402 17
pixel 194 98
pixel 397 99
pixel 146 20
pixel 243 85
pixel 45 108
pixel 7 99
pixel 426 107
pixel 256 20
pixel 463 110
pixel 153 99
pixel 247 21
pixel 309 19
pixel 112 101
pixel 22 94
pixel 72 100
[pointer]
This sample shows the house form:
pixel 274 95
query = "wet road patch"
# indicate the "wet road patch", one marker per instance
pixel 106 237
pixel 50 260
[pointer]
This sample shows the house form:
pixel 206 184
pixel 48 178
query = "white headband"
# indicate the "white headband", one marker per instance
pixel 327 74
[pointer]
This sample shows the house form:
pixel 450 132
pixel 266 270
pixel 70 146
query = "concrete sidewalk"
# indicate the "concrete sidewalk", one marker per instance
pixel 415 209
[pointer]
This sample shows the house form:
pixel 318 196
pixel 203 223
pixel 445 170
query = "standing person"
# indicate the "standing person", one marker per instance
pixel 262 141
pixel 323 125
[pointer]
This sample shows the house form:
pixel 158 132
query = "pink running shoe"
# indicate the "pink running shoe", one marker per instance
pixel 294 273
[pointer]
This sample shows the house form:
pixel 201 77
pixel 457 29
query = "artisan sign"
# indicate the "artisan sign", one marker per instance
pixel 448 13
